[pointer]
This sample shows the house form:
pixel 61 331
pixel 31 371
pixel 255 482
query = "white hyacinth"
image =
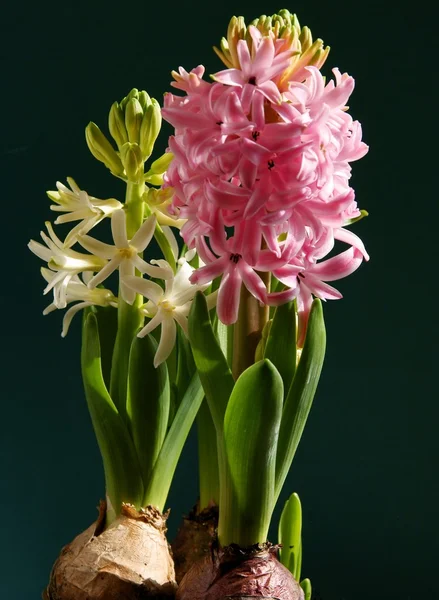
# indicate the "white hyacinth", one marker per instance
pixel 79 206
pixel 65 262
pixel 165 307
pixel 78 291
pixel 124 255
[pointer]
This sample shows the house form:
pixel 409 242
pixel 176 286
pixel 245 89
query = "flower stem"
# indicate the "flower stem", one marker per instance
pixel 129 318
pixel 248 329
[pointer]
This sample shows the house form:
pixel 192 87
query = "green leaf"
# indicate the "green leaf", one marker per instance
pixel 185 364
pixel 107 324
pixel 123 480
pixel 208 467
pixel 251 428
pixel 148 402
pixel 214 372
pixel 301 394
pixel 307 589
pixel 281 343
pixel 129 321
pixel 224 335
pixel 290 532
pixel 164 468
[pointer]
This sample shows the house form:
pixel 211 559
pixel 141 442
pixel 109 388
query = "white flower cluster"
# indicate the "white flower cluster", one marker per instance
pixel 74 276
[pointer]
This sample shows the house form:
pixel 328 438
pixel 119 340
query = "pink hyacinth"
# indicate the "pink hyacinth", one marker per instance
pixel 261 173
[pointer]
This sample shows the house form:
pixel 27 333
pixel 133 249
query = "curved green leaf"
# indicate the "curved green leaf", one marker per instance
pixel 164 468
pixel 185 364
pixel 307 589
pixel 290 535
pixel 301 394
pixel 280 347
pixel 208 467
pixel 212 367
pixel 148 402
pixel 129 321
pixel 251 428
pixel 123 480
pixel 107 325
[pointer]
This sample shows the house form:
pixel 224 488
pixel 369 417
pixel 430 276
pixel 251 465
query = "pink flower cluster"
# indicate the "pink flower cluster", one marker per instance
pixel 262 177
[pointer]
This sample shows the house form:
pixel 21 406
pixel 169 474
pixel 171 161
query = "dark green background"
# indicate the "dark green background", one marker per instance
pixel 367 468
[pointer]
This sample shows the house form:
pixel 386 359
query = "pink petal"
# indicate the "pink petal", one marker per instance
pixel 228 297
pixel 256 201
pixel 230 77
pixel 263 58
pixel 253 282
pixel 270 91
pixel 209 272
pixel 244 58
pixel 304 303
pixel 319 288
pixel 339 266
pixel 343 235
pixel 252 242
pixel 279 298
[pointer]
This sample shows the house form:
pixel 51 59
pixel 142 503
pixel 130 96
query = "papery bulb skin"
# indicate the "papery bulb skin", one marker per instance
pixel 235 572
pixel 194 540
pixel 130 560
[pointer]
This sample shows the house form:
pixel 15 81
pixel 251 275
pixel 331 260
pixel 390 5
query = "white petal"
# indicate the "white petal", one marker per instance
pixel 40 250
pixel 144 235
pixel 119 228
pixel 169 235
pixel 181 319
pixel 70 314
pixel 146 288
pixel 96 247
pixel 211 299
pixel 156 272
pixel 50 308
pixel 127 293
pixel 105 271
pixel 155 322
pixel 167 340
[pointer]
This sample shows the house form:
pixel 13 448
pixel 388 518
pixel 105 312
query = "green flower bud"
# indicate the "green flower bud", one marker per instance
pixel 161 165
pixel 144 100
pixel 116 125
pixel 150 128
pixel 133 119
pixel 133 94
pixel 101 149
pixel 132 159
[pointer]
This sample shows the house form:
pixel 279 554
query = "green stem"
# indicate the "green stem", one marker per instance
pixel 207 458
pixel 129 318
pixel 248 329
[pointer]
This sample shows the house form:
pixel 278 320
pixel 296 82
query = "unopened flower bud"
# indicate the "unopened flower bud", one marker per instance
pixel 161 164
pixel 116 125
pixel 133 119
pixel 144 99
pixel 150 128
pixel 133 94
pixel 101 149
pixel 132 159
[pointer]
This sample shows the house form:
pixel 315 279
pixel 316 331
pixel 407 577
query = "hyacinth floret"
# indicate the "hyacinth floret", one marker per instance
pixel 261 166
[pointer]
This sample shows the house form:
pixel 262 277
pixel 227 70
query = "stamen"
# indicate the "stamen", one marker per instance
pixel 235 258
